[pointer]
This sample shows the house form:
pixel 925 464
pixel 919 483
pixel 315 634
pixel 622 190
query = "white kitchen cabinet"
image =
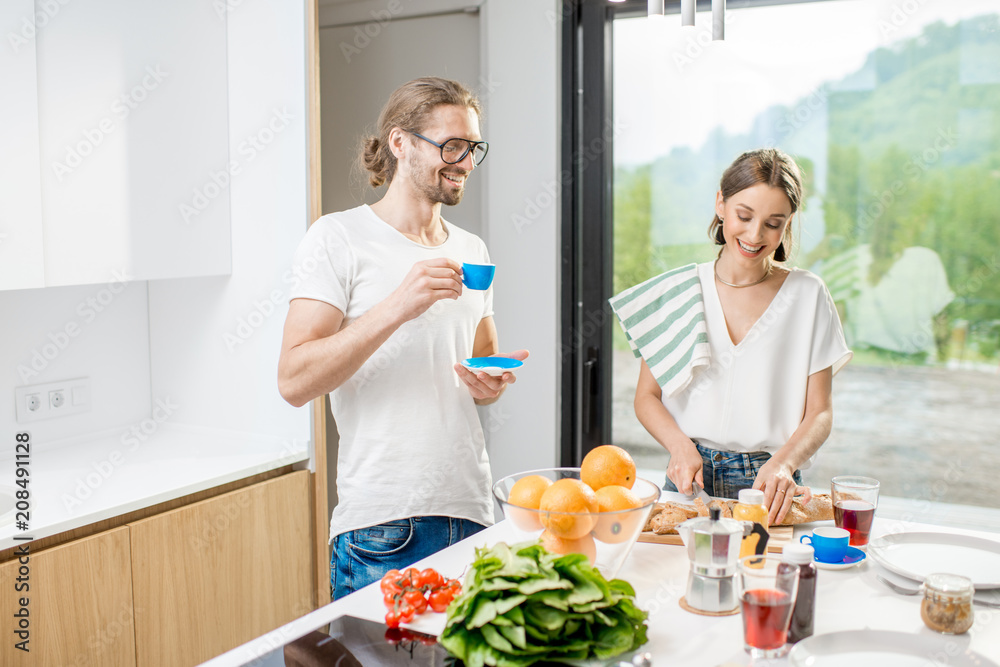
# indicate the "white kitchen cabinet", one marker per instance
pixel 21 264
pixel 132 109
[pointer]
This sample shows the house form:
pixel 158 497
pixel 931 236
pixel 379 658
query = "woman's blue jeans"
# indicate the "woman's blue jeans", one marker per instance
pixel 362 556
pixel 726 473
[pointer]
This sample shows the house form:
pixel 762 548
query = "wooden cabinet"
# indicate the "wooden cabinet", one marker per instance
pixel 213 575
pixel 174 589
pixel 79 604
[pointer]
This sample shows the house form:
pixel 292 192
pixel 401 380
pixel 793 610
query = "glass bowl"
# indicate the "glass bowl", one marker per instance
pixel 609 541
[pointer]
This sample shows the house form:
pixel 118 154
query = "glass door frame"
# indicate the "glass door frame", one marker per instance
pixel 587 234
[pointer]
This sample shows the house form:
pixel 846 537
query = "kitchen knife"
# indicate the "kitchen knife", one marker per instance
pixel 699 493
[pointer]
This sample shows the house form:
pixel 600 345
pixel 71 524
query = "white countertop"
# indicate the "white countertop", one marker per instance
pixel 90 479
pixel 850 599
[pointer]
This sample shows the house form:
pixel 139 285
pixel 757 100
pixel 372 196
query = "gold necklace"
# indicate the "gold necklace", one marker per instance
pixel 767 273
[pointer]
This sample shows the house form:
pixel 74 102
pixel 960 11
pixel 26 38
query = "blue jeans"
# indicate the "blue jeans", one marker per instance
pixel 362 556
pixel 726 473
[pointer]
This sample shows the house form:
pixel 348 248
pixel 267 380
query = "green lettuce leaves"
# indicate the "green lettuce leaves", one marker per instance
pixel 521 605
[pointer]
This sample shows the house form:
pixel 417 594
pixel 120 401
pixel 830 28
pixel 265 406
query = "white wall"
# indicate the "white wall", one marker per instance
pixel 358 73
pixel 96 331
pixel 215 341
pixel 521 69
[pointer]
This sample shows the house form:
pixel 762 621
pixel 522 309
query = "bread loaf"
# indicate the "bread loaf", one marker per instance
pixel 665 517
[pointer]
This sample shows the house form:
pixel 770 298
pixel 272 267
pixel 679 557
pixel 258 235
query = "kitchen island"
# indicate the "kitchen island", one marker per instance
pixel 847 599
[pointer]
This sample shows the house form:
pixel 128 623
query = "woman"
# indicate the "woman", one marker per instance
pixel 763 408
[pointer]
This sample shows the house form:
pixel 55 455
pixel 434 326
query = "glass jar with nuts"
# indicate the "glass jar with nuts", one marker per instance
pixel 947 603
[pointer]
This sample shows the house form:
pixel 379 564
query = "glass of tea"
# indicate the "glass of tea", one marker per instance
pixel 854 502
pixel 767 589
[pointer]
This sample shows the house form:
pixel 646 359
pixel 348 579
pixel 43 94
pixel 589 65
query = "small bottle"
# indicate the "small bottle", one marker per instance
pixel 947 604
pixel 805 601
pixel 750 507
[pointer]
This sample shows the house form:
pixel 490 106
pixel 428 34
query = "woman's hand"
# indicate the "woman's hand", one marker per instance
pixel 685 465
pixel 775 479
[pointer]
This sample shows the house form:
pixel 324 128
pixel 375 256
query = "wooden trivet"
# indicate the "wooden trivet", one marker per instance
pixel 686 607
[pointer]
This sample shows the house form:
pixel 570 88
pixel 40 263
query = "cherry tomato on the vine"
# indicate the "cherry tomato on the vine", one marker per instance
pixel 440 599
pixel 393 618
pixel 416 600
pixel 406 612
pixel 428 577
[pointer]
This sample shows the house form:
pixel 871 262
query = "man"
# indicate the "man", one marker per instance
pixel 380 320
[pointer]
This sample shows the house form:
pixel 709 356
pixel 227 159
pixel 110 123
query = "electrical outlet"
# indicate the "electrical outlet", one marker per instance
pixel 51 400
pixel 56 399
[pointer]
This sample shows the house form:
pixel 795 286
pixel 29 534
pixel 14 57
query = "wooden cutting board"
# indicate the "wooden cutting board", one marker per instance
pixel 780 536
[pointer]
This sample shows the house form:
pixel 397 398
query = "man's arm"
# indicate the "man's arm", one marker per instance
pixel 317 356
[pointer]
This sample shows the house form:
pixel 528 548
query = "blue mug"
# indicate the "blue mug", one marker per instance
pixel 829 543
pixel 478 276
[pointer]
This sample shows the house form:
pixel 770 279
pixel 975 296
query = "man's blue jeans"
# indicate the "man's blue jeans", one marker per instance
pixel 362 556
pixel 726 473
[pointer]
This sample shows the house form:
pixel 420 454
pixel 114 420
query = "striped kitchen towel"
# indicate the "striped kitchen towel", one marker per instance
pixel 664 321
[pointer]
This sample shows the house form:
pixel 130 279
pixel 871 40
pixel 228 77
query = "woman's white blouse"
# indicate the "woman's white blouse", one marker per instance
pixel 752 397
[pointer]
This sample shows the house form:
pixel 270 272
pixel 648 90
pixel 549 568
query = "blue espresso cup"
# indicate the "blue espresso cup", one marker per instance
pixel 829 543
pixel 478 276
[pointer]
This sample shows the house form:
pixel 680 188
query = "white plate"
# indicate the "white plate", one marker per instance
pixel 881 648
pixel 915 555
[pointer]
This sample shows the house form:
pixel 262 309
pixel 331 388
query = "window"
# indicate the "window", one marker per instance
pixel 897 130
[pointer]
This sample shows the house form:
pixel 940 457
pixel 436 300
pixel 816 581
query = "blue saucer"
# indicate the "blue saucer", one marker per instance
pixel 851 558
pixel 495 366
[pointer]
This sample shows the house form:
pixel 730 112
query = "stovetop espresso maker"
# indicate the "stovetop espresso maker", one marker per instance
pixel 713 547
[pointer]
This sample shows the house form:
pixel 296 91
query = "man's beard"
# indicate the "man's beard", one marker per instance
pixel 425 180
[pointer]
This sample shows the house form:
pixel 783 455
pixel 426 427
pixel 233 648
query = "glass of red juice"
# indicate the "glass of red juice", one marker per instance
pixel 854 502
pixel 767 588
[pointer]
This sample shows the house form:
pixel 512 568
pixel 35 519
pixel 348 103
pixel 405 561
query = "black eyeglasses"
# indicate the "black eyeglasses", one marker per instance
pixel 454 150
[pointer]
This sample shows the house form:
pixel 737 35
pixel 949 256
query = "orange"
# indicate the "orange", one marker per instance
pixel 527 493
pixel 608 465
pixel 558 545
pixel 616 528
pixel 569 509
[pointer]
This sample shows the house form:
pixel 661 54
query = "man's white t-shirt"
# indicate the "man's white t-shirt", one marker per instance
pixel 753 396
pixel 411 443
